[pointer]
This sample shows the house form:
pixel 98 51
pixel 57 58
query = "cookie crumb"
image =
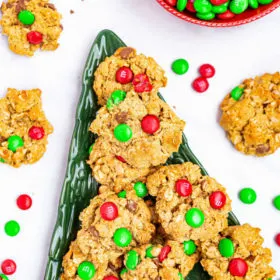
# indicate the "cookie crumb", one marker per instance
pixel 72 12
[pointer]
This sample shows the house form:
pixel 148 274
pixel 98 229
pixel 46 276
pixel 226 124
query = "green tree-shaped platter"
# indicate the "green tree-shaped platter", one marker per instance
pixel 79 186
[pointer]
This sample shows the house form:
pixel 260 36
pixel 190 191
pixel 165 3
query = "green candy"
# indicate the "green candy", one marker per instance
pixel 265 2
pixel 149 252
pixel 4 277
pixel 122 237
pixel 2 160
pixel 226 248
pixel 123 132
pixel 123 271
pixel 122 194
pixel 140 189
pixel 248 196
pixel 90 148
pixel 276 202
pixel 220 9
pixel 110 103
pixel 195 218
pixel 181 5
pixel 238 6
pixel 254 4
pixel 86 270
pixel 207 16
pixel 180 66
pixel 12 228
pixel 132 260
pixel 15 142
pixel 180 276
pixel 26 17
pixel 189 247
pixel 116 98
pixel 203 6
pixel 236 93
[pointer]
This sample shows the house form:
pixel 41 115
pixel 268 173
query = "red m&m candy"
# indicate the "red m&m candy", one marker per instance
pixel 171 2
pixel 124 75
pixel 226 15
pixel 217 200
pixel 111 277
pixel 24 202
pixel 109 211
pixel 238 267
pixel 200 84
pixel 277 239
pixel 190 6
pixel 8 267
pixel 207 70
pixel 34 37
pixel 183 187
pixel 141 83
pixel 150 124
pixel 218 2
pixel 120 158
pixel 36 133
pixel 164 253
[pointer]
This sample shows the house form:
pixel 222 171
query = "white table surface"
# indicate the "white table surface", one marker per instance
pixel 236 53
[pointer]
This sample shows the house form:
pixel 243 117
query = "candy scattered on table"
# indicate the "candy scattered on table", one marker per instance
pixel 277 239
pixel 180 66
pixel 12 228
pixel 207 70
pixel 24 202
pixel 200 84
pixel 276 202
pixel 8 267
pixel 248 195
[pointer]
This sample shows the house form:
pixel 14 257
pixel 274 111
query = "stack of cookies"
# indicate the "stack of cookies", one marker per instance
pixel 152 221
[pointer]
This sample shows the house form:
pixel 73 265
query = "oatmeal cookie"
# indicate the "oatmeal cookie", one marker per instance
pixel 24 128
pixel 126 70
pixel 154 262
pixel 189 205
pixel 251 115
pixel 143 130
pixel 237 253
pixel 30 25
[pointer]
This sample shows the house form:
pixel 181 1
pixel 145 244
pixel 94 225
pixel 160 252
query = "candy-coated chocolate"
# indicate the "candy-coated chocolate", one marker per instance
pixel 218 2
pixel 171 2
pixel 189 247
pixel 141 83
pixel 24 202
pixel 2 160
pixel 180 276
pixel 217 199
pixel 206 16
pixel 110 277
pixel 202 6
pixel 220 9
pixel 116 98
pixel 265 2
pixel 149 252
pixel 8 267
pixel 248 195
pixel 12 228
pixel 90 148
pixel 123 271
pixel 15 142
pixel 254 4
pixel 195 218
pixel 26 17
pixel 150 124
pixel 183 187
pixel 86 270
pixel 122 194
pixel 140 189
pixel 181 5
pixel 190 6
pixel 200 84
pixel 124 75
pixel 276 202
pixel 34 37
pixel 36 132
pixel 277 239
pixel 120 158
pixel 226 15
pixel 109 211
pixel 164 253
pixel 122 237
pixel 238 6
pixel 3 277
pixel 238 267
pixel 208 70
pixel 236 93
pixel 123 132
pixel 132 260
pixel 180 66
pixel 226 247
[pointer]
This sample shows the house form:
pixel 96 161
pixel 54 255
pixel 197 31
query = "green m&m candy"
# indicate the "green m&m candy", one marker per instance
pixel 3 277
pixel 86 270
pixel 207 16
pixel 202 6
pixel 180 276
pixel 90 148
pixel 122 237
pixel 248 196
pixel 265 2
pixel 132 260
pixel 226 248
pixel 2 160
pixel 181 5
pixel 236 93
pixel 12 228
pixel 123 271
pixel 195 218
pixel 149 252
pixel 189 247
pixel 122 194
pixel 254 4
pixel 238 6
pixel 180 66
pixel 276 202
pixel 15 142
pixel 116 98
pixel 26 17
pixel 140 189
pixel 123 132
pixel 220 9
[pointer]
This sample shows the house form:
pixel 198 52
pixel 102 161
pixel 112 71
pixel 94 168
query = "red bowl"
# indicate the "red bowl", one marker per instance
pixel 246 17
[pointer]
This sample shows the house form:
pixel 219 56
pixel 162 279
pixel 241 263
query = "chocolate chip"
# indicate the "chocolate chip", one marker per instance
pixel 49 5
pixel 112 267
pixel 20 6
pixel 157 278
pixel 61 26
pixel 131 206
pixel 2 139
pixel 261 149
pixel 93 231
pixel 156 262
pixel 8 6
pixel 125 52
pixel 121 117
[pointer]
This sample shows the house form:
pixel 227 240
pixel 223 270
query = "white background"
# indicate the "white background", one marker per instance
pixel 237 53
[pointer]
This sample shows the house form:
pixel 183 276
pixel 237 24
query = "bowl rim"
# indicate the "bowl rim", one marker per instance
pixel 185 17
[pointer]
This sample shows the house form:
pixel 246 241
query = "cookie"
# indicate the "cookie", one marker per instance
pixel 237 253
pixel 154 262
pixel 189 205
pixel 143 130
pixel 31 25
pixel 24 128
pixel 127 70
pixel 251 115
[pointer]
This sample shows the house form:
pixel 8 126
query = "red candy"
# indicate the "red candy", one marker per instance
pixel 124 75
pixel 218 2
pixel 8 267
pixel 190 6
pixel 226 15
pixel 183 187
pixel 164 253
pixel 200 84
pixel 36 133
pixel 217 200
pixel 34 37
pixel 238 267
pixel 141 83
pixel 171 2
pixel 111 277
pixel 207 71
pixel 121 159
pixel 277 239
pixel 150 124
pixel 109 211
pixel 24 202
